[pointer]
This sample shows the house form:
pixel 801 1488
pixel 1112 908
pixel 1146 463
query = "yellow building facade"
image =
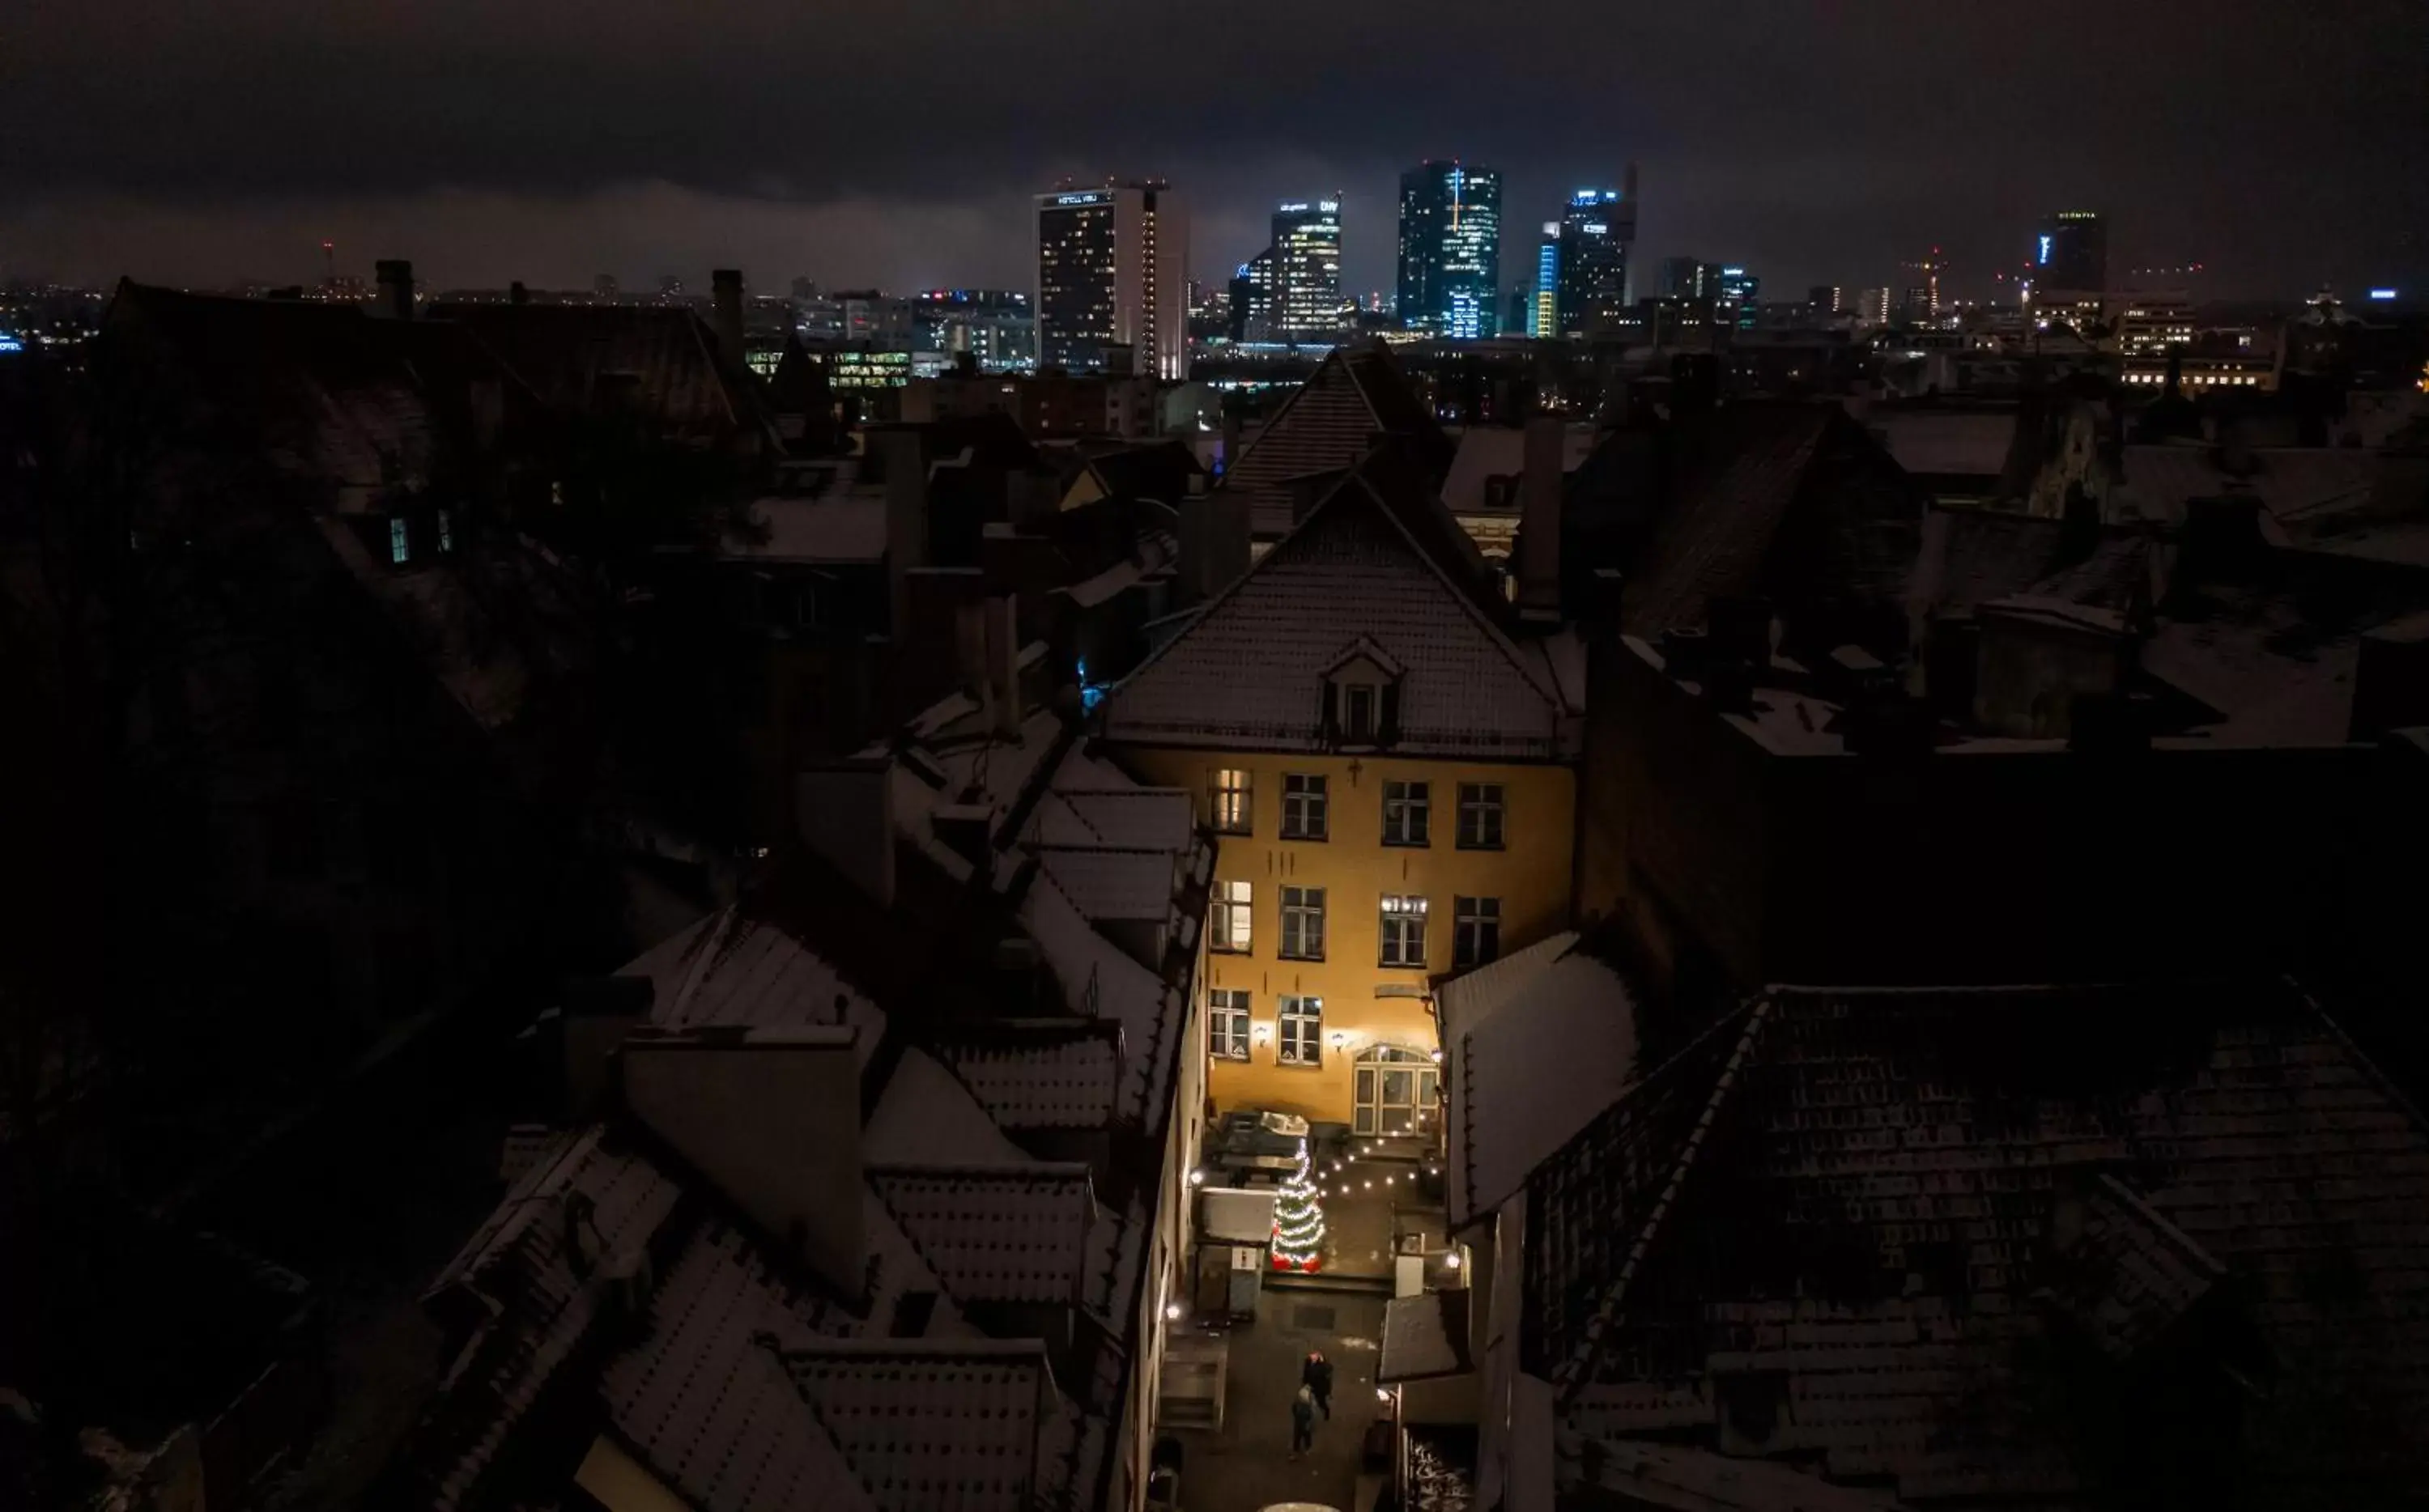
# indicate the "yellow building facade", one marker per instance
pixel 1424 867
pixel 1389 759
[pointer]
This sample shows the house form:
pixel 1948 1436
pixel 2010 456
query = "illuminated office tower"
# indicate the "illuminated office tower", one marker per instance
pixel 1450 250
pixel 1544 319
pixel 1112 268
pixel 1252 298
pixel 1596 232
pixel 1742 293
pixel 1307 266
pixel 2072 253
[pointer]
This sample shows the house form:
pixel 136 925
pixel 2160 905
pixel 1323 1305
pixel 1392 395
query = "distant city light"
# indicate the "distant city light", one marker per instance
pixel 2382 293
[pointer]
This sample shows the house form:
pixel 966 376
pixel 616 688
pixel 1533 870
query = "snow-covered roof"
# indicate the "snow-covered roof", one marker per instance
pixel 1535 1045
pixel 1489 451
pixel 731 968
pixel 1369 561
pixel 996 1233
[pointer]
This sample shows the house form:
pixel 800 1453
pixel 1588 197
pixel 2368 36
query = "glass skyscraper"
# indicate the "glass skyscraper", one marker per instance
pixel 1597 231
pixel 2072 252
pixel 1450 250
pixel 1113 271
pixel 1544 321
pixel 1307 268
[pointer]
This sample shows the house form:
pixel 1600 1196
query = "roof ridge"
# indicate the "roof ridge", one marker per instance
pixel 1508 647
pixel 1572 1372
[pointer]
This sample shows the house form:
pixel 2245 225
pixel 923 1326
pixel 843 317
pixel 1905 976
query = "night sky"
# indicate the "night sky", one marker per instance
pixel 2281 142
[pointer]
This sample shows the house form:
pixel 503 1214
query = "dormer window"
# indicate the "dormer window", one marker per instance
pixel 1361 697
pixel 1358 705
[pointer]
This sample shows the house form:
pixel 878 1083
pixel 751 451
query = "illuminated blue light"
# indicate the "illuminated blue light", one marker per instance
pixel 2382 293
pixel 2045 249
pixel 1091 694
pixel 8 342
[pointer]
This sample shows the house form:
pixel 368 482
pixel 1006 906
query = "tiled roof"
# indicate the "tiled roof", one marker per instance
pixel 1936 443
pixel 1867 1234
pixel 1534 1053
pixel 1672 1479
pixel 934 1424
pixel 1720 529
pixel 1368 561
pixel 1489 451
pixel 996 1233
pixel 1110 884
pixel 587 359
pixel 1034 1074
pixel 733 968
pixel 1329 424
pixel 519 1259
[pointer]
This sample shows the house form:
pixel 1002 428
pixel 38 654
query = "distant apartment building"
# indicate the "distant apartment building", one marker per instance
pixel 996 327
pixel 1113 271
pixel 1307 267
pixel 1450 250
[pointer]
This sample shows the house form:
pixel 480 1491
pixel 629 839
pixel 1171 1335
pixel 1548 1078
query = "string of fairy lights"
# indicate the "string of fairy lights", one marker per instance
pixel 1341 1167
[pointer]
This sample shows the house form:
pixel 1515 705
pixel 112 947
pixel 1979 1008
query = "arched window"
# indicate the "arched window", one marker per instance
pixel 1398 1091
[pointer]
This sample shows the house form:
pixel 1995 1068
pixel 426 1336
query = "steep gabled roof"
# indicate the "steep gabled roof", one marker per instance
pixel 1376 557
pixel 584 358
pixel 1332 419
pixel 1886 1234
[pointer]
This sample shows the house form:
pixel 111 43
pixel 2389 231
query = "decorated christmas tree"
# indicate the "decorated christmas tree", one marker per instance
pixel 1298 1222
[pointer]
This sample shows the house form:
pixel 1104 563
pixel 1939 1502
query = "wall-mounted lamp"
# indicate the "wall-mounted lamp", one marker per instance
pixel 1198 1178
pixel 1437 1054
pixel 1172 1312
pixel 1264 1032
pixel 1450 1261
pixel 1339 1040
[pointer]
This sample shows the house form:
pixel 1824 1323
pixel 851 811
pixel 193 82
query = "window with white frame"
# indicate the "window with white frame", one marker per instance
pixel 1404 931
pixel 1408 813
pixel 1232 919
pixel 1306 806
pixel 1302 924
pixel 1232 802
pixel 1476 931
pixel 1227 1024
pixel 1396 1091
pixel 399 540
pixel 1480 815
pixel 1302 1031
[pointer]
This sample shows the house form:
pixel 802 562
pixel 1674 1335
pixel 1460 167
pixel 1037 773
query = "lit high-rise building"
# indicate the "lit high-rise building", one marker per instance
pixel 1921 303
pixel 2072 252
pixel 1689 278
pixel 1450 250
pixel 1874 306
pixel 1253 289
pixel 1544 321
pixel 1826 299
pixel 1113 270
pixel 1595 231
pixel 1307 266
pixel 1742 293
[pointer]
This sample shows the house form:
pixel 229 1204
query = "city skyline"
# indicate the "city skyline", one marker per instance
pixel 191 160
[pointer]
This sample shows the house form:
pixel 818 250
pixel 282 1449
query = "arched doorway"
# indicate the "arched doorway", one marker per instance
pixel 1399 1091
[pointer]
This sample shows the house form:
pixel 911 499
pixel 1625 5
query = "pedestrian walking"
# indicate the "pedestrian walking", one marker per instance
pixel 1316 1375
pixel 1302 1421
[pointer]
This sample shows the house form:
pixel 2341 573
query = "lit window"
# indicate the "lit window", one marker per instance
pixel 1408 813
pixel 1302 924
pixel 1305 807
pixel 1480 815
pixel 446 531
pixel 1404 931
pixel 1233 812
pixel 1398 1091
pixel 1227 1024
pixel 1476 931
pixel 1302 1031
pixel 1232 918
pixel 400 542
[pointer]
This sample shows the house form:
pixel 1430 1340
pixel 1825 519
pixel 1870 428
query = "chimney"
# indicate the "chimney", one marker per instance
pixel 516 294
pixel 906 519
pixel 1738 629
pixel 2391 679
pixel 395 287
pixel 598 1012
pixel 1214 542
pixel 1002 648
pixel 1538 522
pixel 725 308
pixel 771 1117
pixel 845 815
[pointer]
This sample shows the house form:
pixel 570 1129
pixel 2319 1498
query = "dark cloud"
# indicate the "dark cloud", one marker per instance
pixel 1812 139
